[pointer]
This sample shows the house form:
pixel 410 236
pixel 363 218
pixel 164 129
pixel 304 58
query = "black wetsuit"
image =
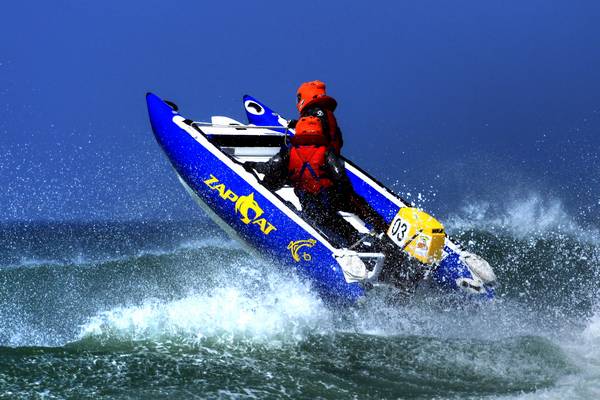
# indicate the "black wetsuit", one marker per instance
pixel 323 206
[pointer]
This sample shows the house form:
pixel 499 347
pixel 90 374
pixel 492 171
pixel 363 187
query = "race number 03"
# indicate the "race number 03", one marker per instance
pixel 399 231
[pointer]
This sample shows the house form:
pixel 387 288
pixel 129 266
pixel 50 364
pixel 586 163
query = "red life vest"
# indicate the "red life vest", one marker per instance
pixel 307 166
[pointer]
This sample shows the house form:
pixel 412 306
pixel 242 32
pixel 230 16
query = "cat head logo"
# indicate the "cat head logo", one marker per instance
pixel 244 205
pixel 295 246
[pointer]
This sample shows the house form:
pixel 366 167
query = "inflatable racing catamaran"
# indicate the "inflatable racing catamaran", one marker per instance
pixel 209 158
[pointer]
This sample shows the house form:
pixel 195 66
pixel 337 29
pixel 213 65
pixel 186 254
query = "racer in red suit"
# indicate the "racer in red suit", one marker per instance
pixel 318 176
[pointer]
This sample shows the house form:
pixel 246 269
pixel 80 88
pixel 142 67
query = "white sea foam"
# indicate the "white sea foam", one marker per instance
pixel 288 311
pixel 592 331
pixel 521 216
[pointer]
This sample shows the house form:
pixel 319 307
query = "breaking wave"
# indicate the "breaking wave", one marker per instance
pixel 521 217
pixel 288 312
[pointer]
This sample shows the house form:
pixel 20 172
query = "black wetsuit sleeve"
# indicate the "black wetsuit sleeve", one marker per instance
pixel 275 170
pixel 336 168
pixel 271 166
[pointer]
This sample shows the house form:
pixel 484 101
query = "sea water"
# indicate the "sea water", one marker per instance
pixel 153 309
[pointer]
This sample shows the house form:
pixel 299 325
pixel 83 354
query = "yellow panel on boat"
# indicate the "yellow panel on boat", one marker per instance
pixel 418 234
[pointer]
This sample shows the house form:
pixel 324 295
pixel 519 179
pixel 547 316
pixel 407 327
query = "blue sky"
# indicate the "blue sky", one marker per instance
pixel 464 99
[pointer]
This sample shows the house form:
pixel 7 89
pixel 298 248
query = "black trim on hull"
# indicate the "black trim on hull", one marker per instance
pixel 247 140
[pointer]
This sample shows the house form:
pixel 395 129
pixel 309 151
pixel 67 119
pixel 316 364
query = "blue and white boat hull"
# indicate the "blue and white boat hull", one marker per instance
pixel 247 210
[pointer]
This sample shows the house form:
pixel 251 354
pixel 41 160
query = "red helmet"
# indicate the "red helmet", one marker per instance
pixel 310 93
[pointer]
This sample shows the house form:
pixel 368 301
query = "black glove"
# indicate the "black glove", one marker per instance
pixel 249 165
